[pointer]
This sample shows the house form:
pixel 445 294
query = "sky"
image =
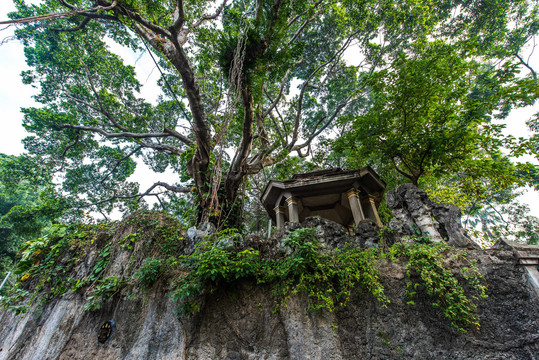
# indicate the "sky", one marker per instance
pixel 14 95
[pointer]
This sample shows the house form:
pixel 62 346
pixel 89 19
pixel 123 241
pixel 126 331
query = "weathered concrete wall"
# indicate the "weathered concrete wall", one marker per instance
pixel 239 323
pixel 528 258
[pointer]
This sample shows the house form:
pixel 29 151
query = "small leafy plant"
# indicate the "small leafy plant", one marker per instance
pixel 103 291
pixel 426 268
pixel 326 278
pixel 151 271
pixel 210 266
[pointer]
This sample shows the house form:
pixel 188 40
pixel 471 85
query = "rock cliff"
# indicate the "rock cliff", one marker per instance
pixel 239 320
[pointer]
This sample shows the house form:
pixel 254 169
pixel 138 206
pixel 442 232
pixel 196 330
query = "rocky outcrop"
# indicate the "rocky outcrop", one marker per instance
pixel 239 322
pixel 528 259
pixel 368 233
pixel 416 214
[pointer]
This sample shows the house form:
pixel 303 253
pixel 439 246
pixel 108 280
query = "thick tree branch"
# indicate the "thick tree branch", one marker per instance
pixel 335 56
pixel 178 136
pixel 238 166
pixel 162 147
pixel 67 5
pixel 180 61
pixel 178 189
pixel 80 26
pixel 109 135
pixel 166 131
pixel 409 167
pixel 400 171
pixel 261 160
pixel 244 148
pixel 53 16
pixel 88 15
pixel 302 155
pixel 179 17
pixel 136 17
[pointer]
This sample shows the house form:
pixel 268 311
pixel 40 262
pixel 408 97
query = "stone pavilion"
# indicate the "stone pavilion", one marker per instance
pixel 343 196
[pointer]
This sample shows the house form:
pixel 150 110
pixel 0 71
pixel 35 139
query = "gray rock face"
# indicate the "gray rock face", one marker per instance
pixel 416 212
pixel 368 233
pixel 198 234
pixel 331 234
pixel 400 228
pixel 239 322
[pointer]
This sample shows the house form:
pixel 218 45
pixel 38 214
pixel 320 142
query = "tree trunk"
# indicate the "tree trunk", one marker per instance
pixel 225 211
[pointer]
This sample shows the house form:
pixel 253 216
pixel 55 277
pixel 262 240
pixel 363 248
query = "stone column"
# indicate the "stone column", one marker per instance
pixel 355 205
pixel 293 209
pixel 279 216
pixel 375 210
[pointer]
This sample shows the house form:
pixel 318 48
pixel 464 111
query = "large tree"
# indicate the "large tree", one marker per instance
pixel 245 83
pixel 436 111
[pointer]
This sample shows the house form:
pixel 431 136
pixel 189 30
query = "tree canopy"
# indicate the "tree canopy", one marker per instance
pixel 248 84
pixel 432 112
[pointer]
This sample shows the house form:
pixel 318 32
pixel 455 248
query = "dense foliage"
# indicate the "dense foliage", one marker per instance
pixel 52 264
pixel 326 279
pixel 412 85
pixel 57 263
pixel 427 270
pixel 28 204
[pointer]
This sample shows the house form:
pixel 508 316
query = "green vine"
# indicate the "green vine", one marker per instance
pixel 328 278
pixel 46 269
pixel 211 265
pixel 428 269
pixel 103 291
pixel 47 262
